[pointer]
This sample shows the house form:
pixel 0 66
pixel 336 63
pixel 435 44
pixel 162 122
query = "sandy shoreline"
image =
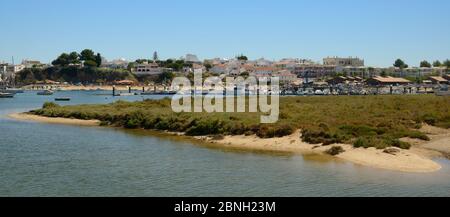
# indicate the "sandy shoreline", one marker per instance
pixel 36 118
pixel 413 160
pixel 416 160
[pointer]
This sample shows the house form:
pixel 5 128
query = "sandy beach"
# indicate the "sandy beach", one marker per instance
pixel 36 118
pixel 416 160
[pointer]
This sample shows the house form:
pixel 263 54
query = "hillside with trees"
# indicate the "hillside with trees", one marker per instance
pixel 74 67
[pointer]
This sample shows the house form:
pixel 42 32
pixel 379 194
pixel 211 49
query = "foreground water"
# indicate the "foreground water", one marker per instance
pixel 56 160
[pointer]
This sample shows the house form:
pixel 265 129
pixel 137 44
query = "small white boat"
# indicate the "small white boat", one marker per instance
pixel 45 93
pixel 12 90
pixel 319 93
pixel 6 95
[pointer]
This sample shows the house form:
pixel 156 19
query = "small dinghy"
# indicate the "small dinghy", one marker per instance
pixel 6 95
pixel 62 99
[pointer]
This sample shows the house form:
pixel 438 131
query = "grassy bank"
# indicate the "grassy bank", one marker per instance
pixel 364 121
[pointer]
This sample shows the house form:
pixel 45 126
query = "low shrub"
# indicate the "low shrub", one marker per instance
pixel 235 128
pixel 360 130
pixel 335 150
pixel 361 143
pixel 320 137
pixel 370 142
pixel 430 119
pixel 49 105
pixel 217 137
pixel 134 120
pixel 397 143
pixel 105 123
pixel 204 127
pixel 270 131
pixel 418 135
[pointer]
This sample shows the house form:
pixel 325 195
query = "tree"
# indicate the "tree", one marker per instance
pixel 242 57
pixel 65 59
pixel 425 64
pixel 166 77
pixel 131 66
pixel 400 64
pixel 141 61
pixel 437 63
pixel 74 58
pixel 447 64
pixel 62 60
pixel 90 63
pixel 98 59
pixel 87 54
pixel 208 66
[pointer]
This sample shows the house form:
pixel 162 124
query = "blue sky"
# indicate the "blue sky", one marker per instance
pixel 377 30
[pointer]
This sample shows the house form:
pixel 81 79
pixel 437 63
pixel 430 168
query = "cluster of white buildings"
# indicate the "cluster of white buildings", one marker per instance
pixel 8 71
pixel 290 70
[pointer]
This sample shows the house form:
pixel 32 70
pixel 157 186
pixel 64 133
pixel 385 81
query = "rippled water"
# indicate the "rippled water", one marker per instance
pixel 56 160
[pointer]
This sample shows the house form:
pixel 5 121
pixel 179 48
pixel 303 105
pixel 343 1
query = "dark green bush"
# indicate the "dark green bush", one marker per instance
pixel 335 150
pixel 134 120
pixel 217 137
pixel 235 128
pixel 397 143
pixel 270 131
pixel 204 127
pixel 320 137
pixel 418 135
pixel 360 130
pixel 362 143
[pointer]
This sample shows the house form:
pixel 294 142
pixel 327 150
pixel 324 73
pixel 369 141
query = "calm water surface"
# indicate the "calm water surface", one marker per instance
pixel 56 160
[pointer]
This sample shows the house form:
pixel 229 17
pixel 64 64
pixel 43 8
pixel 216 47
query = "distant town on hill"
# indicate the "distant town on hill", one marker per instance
pixel 88 67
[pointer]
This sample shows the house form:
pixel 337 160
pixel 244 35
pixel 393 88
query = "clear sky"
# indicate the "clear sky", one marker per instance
pixel 377 30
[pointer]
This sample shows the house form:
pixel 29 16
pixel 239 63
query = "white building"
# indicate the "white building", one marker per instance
pixel 264 71
pixel 148 69
pixel 3 67
pixel 191 58
pixel 198 68
pixel 15 68
pixel 263 62
pixel 338 61
pixel 290 63
pixel 31 63
pixel 286 76
pixel 218 69
pixel 421 71
pixel 115 64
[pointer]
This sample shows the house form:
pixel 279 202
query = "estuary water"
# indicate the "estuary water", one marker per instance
pixel 39 159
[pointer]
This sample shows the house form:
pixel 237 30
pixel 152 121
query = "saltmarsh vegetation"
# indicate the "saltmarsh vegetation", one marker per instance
pixel 364 121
